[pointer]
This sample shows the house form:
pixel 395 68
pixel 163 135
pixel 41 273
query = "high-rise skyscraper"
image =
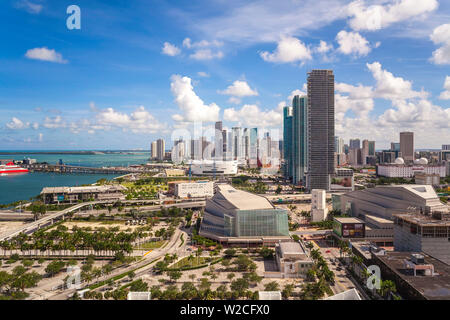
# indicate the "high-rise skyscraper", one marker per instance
pixel 287 142
pixel 299 139
pixel 160 149
pixel 355 144
pixel 218 141
pixel 407 146
pixel 237 143
pixel 365 151
pixel 154 151
pixel 320 129
pixel 254 148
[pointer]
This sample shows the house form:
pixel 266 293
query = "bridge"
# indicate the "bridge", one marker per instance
pixel 45 167
pixel 60 215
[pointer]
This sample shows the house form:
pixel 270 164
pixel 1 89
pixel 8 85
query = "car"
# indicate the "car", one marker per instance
pixel 328 251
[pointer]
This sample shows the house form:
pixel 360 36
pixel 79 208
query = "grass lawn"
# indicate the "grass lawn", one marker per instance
pixel 151 245
pixel 194 262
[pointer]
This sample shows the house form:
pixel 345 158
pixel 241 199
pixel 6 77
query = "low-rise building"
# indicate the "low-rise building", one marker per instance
pixel 349 228
pixel 428 179
pixel 423 233
pixel 394 170
pixel 412 280
pixel 210 167
pixel 292 260
pixel 76 194
pixel 236 216
pixel 175 172
pixel 193 189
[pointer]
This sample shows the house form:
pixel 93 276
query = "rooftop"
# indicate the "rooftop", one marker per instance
pixel 269 295
pixel 291 247
pixel 348 220
pixel 431 287
pixel 351 294
pixel 243 200
pixel 85 189
pixel 423 220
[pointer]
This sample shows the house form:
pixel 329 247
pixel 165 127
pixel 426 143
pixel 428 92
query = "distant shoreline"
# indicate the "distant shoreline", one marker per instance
pixel 72 152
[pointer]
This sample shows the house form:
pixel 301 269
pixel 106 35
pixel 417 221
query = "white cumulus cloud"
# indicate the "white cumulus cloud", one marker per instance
pixel 17 124
pixel 445 95
pixel 441 36
pixel 45 54
pixel 193 108
pixel 237 90
pixel 170 49
pixel 251 115
pixel 370 17
pixel 289 49
pixel 352 43
pixel 206 54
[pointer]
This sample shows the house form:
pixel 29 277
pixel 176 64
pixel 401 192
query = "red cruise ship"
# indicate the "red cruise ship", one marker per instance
pixel 11 168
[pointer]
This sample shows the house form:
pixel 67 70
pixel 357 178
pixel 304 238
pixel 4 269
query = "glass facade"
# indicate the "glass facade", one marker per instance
pixel 299 138
pixel 261 223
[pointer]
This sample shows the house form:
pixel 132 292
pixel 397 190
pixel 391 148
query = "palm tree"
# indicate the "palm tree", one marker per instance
pixel 387 287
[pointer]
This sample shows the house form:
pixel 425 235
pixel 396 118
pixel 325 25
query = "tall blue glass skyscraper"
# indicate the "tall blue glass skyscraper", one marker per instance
pixel 287 142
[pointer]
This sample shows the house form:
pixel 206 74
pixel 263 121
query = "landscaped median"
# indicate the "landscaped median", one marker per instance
pixel 191 263
pixel 119 276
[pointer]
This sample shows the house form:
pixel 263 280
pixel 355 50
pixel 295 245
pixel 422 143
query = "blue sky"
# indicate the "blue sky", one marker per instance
pixel 138 70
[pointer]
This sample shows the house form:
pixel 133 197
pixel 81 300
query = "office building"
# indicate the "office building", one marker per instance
pixel 339 145
pixel 218 141
pixel 407 146
pixel 367 151
pixel 300 140
pixel 395 146
pixel 236 216
pixel 445 153
pixel 320 129
pixel 355 144
pixel 254 148
pixel 287 142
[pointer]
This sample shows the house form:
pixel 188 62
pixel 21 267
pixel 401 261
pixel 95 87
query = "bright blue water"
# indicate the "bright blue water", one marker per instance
pixel 24 186
pixel 88 160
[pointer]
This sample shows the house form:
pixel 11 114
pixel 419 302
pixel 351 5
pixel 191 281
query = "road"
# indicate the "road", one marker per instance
pixel 173 246
pixel 342 282
pixel 33 226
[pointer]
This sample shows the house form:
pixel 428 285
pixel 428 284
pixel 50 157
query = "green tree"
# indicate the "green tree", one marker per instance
pixel 139 286
pixel 272 286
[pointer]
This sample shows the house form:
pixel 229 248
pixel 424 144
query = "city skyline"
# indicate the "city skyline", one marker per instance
pixel 75 89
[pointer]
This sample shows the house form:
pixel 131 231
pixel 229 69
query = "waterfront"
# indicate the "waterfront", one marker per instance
pixel 24 186
pixel 122 159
